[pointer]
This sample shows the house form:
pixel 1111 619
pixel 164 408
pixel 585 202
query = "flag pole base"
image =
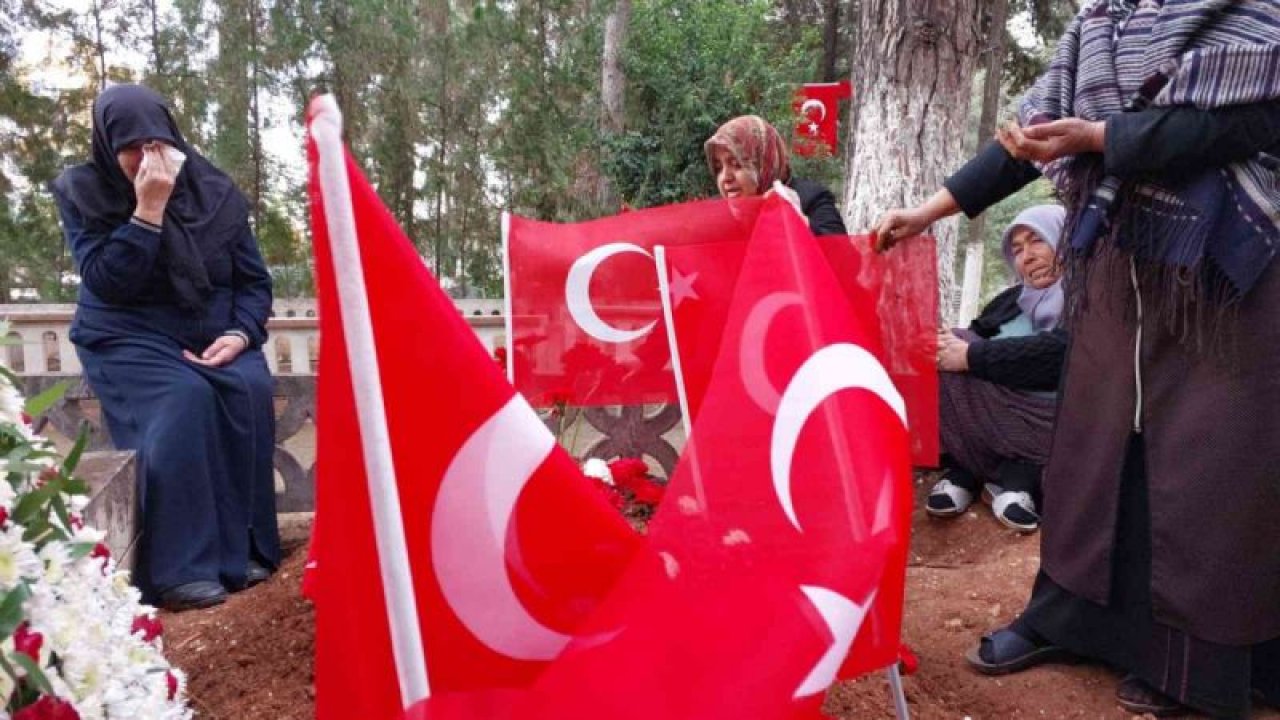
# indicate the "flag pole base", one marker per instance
pixel 895 691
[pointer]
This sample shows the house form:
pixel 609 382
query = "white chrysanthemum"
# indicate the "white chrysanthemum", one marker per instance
pixel 77 503
pixel 11 403
pixel 17 559
pixel 84 610
pixel 599 469
pixel 87 534
pixel 56 557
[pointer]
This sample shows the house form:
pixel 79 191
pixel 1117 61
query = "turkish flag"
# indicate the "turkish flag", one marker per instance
pixel 585 315
pixel 900 288
pixel 506 546
pixel 784 534
pixel 789 307
pixel 817 108
pixel 784 526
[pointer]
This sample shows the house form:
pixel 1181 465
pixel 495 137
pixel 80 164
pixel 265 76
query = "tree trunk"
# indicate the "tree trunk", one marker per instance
pixel 100 46
pixel 830 38
pixel 613 85
pixel 233 139
pixel 613 80
pixel 255 136
pixel 157 62
pixel 971 294
pixel 914 65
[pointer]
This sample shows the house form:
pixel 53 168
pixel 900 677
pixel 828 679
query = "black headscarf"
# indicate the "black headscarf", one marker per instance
pixel 204 214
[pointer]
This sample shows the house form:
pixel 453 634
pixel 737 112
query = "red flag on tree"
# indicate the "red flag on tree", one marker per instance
pixel 817 108
pixel 447 517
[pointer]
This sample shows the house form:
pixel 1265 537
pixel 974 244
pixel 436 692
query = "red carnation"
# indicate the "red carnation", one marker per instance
pixel 632 475
pixel 100 551
pixel 628 472
pixel 172 681
pixel 150 627
pixel 48 708
pixel 4 515
pixel 649 492
pixel 610 492
pixel 500 355
pixel 27 641
pixel 26 419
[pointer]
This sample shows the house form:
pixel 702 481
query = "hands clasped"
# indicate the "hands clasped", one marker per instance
pixel 1052 140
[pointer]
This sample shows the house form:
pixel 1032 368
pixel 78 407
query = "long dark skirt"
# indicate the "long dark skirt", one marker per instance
pixel 204 438
pixel 1213 678
pixel 983 424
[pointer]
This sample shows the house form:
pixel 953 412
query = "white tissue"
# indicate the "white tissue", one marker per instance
pixel 175 157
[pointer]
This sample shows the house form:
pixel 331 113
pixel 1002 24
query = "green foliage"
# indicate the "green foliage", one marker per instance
pixel 456 109
pixel 45 400
pixel 691 67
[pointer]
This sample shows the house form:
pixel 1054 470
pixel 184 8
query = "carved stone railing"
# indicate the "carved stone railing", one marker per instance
pixel 39 342
pixel 45 357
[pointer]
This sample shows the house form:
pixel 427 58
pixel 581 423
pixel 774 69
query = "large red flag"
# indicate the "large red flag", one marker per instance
pixel 900 289
pixel 817 108
pixel 585 315
pixel 506 548
pixel 781 527
pixel 786 521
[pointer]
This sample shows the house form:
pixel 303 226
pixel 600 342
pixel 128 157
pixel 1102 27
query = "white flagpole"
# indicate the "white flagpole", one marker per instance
pixel 393 557
pixel 690 454
pixel 664 290
pixel 900 710
pixel 506 300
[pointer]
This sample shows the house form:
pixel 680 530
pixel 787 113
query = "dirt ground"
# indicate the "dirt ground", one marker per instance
pixel 251 658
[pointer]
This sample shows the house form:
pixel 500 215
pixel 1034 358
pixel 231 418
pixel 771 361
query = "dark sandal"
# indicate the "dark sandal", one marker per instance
pixel 1005 651
pixel 1136 696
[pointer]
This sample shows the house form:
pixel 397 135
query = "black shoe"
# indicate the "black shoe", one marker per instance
pixel 256 573
pixel 193 595
pixel 1138 697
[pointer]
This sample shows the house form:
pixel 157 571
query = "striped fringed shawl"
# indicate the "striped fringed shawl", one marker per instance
pixel 1223 224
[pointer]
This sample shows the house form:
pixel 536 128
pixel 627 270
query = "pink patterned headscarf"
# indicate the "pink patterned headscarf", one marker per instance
pixel 757 146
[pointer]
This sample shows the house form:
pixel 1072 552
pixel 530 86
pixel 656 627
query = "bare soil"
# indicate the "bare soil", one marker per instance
pixel 252 657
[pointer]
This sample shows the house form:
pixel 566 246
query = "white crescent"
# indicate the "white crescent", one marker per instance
pixel 469 528
pixel 843 618
pixel 751 348
pixel 577 295
pixel 842 366
pixel 811 103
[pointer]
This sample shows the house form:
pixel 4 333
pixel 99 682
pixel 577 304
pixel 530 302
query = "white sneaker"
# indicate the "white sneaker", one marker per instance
pixel 947 499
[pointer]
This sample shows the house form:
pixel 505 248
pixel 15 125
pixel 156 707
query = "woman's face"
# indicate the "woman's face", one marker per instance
pixel 732 179
pixel 1035 260
pixel 130 157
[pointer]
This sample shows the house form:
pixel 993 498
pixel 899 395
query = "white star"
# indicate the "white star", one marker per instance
pixel 682 287
pixel 813 128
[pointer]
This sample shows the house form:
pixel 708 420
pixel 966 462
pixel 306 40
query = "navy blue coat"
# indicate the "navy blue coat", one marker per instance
pixel 204 436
